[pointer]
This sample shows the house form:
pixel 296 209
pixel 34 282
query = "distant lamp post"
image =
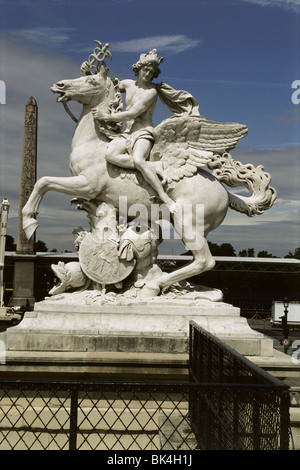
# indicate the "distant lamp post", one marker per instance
pixel 285 342
pixel 3 225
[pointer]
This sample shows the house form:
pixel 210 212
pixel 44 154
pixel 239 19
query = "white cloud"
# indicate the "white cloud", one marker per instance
pixel 171 44
pixel 282 211
pixel 44 35
pixel 276 238
pixel 31 73
pixel 292 5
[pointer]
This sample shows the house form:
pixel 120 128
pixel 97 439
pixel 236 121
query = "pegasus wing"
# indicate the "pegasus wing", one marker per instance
pixel 220 137
pixel 185 143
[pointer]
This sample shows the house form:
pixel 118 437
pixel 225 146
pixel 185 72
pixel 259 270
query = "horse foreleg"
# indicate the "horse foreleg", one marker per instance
pixel 73 185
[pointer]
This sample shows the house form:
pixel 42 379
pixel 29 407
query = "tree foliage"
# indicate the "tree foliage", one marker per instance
pixel 225 249
pixel 10 243
pixel 295 255
pixel 247 253
pixel 39 245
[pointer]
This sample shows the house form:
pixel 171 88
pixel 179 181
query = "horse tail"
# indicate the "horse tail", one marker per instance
pixel 254 179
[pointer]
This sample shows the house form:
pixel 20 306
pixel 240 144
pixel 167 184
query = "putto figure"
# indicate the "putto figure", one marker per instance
pixel 107 162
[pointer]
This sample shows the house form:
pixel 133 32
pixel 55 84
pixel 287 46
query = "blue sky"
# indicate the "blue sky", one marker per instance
pixel 238 58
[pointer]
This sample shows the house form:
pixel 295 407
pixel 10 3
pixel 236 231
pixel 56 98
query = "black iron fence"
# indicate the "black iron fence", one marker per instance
pixel 95 416
pixel 228 404
pixel 251 307
pixel 243 406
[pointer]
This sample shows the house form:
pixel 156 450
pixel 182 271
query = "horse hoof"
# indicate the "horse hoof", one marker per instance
pixel 30 226
pixel 150 290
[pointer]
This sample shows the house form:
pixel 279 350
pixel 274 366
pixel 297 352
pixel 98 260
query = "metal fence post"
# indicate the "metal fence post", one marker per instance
pixel 285 421
pixel 73 420
pixel 256 429
pixel 242 416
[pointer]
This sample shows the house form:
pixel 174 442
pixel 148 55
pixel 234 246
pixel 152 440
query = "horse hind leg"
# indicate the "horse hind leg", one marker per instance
pixel 203 261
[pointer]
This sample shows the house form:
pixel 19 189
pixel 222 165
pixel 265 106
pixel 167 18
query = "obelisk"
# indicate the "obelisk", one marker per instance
pixel 23 287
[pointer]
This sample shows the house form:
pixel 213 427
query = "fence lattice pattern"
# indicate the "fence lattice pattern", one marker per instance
pixel 95 416
pixel 229 403
pixel 246 408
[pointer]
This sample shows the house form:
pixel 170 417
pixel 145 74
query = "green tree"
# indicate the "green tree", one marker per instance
pixel 214 248
pixel 225 249
pixel 295 255
pixel 40 246
pixel 248 253
pixel 265 254
pixel 10 243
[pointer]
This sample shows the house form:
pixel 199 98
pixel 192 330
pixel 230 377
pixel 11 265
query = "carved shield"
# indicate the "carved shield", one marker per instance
pixel 100 261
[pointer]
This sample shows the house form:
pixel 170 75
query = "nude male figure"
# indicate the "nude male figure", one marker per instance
pixel 132 149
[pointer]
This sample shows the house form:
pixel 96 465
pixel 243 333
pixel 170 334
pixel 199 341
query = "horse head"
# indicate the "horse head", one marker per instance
pixel 88 90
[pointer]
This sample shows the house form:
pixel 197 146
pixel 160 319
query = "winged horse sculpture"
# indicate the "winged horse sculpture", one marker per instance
pixel 178 148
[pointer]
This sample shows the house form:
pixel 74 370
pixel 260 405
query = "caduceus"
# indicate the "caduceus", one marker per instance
pixel 96 59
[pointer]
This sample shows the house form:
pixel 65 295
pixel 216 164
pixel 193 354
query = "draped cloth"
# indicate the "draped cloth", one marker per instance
pixel 179 102
pixel 132 138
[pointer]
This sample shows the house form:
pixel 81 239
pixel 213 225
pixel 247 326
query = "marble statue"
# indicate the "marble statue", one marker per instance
pixel 146 166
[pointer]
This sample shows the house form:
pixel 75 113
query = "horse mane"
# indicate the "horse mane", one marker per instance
pixel 112 129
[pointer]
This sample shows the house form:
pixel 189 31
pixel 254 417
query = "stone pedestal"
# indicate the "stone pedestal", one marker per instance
pixel 158 326
pixel 24 266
